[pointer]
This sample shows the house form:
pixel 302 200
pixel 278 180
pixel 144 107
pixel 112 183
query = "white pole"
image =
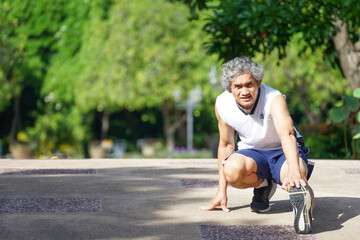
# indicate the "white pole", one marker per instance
pixel 189 124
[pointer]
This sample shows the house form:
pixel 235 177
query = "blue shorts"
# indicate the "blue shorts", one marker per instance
pixel 269 163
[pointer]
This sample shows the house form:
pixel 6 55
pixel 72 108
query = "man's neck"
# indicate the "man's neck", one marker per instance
pixel 253 107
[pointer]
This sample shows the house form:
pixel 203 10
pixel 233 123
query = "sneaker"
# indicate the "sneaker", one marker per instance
pixel 260 200
pixel 300 198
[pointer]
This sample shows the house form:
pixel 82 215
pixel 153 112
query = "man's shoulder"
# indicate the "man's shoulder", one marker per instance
pixel 225 104
pixel 268 88
pixel 269 91
pixel 224 96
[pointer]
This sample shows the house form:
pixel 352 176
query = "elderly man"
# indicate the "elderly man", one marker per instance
pixel 270 150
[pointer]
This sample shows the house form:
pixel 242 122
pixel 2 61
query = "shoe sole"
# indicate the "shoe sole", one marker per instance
pixel 264 210
pixel 260 211
pixel 300 198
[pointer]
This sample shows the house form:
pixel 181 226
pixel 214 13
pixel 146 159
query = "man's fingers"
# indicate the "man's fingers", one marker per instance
pixel 300 182
pixel 285 184
pixel 224 208
pixel 212 206
pixel 303 182
pixel 293 183
pixel 206 208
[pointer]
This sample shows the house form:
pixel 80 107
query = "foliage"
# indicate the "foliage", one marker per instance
pixel 61 123
pixel 344 109
pixel 26 40
pixel 33 33
pixel 69 59
pixel 136 64
pixel 25 36
pixel 306 81
pixel 326 141
pixel 347 113
pixel 357 95
pixel 57 129
pixel 248 27
pixel 245 27
pixel 177 153
pixel 349 106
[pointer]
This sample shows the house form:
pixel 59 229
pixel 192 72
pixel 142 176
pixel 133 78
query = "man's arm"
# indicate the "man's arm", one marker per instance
pixel 285 130
pixel 226 147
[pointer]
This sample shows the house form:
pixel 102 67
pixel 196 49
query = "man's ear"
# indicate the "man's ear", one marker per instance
pixel 230 88
pixel 259 84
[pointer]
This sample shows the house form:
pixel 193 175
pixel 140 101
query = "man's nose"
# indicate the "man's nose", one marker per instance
pixel 245 91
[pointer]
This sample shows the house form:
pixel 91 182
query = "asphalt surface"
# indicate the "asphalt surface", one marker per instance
pixel 159 199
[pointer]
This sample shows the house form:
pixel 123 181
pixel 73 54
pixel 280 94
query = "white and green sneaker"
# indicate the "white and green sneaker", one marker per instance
pixel 300 198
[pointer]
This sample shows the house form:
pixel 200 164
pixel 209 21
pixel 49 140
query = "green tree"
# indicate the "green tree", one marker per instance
pixel 29 39
pixel 306 80
pixel 63 123
pixel 131 62
pixel 307 83
pixel 245 27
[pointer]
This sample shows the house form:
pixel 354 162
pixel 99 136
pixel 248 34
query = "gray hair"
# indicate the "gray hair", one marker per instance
pixel 238 66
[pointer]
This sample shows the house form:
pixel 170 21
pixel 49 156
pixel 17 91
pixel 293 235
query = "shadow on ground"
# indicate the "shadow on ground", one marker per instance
pixel 135 202
pixel 133 199
pixel 329 214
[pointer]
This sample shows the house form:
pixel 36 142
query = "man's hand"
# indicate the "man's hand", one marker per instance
pixel 219 200
pixel 293 179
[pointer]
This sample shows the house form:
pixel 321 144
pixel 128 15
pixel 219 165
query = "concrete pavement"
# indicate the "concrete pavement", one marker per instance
pixel 159 199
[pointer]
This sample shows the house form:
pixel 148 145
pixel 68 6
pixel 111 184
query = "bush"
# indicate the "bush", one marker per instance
pixel 326 141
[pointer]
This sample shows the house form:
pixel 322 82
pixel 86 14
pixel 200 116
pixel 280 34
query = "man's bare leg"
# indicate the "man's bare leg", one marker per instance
pixel 240 172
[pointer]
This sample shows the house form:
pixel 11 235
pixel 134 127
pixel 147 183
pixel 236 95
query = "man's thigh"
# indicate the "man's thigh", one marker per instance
pixel 262 166
pixel 279 167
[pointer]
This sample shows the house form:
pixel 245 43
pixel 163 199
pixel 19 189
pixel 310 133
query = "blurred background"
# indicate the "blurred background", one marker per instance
pixel 139 78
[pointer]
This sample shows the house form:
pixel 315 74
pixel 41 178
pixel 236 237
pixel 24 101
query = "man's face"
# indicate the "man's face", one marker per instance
pixel 245 90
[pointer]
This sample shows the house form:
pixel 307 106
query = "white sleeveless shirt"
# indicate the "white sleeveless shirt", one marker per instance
pixel 255 129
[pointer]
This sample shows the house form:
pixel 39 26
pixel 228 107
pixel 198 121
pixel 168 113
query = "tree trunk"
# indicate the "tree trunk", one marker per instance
pixel 349 54
pixel 170 128
pixel 181 130
pixel 131 122
pixel 16 119
pixel 105 124
pixel 96 126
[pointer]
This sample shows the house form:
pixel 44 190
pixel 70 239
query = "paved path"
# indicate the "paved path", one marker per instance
pixel 159 199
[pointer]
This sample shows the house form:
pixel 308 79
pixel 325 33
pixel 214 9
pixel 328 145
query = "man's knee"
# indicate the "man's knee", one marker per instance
pixel 233 169
pixel 302 166
pixel 237 168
